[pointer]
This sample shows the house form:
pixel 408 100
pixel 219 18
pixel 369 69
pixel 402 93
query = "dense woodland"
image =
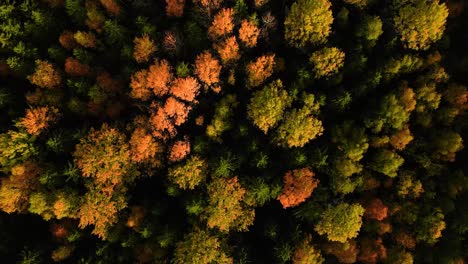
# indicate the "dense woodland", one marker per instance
pixel 233 131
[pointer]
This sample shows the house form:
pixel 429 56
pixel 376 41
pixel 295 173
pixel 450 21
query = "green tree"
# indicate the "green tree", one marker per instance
pixel 386 162
pixel 370 29
pixel 300 125
pixel 308 22
pixel 189 174
pixel 420 23
pixel 267 106
pixel 221 121
pixel 341 222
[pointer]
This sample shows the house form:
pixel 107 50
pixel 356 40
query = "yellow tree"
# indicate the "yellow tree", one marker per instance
pixel 420 23
pixel 308 22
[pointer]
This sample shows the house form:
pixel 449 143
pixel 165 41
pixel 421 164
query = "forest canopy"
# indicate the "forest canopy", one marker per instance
pixel 233 131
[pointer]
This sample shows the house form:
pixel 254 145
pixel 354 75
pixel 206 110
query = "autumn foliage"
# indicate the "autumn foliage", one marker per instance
pixel 222 24
pixel 207 68
pixel 39 119
pixel 159 76
pixel 228 50
pixel 15 189
pixel 175 7
pixel 248 33
pixel 259 70
pixel 143 147
pixel 179 150
pixel 75 68
pixel 376 209
pixel 103 155
pixel 185 89
pixel 45 75
pixel 144 47
pixel 67 40
pixel 298 186
pixel 111 6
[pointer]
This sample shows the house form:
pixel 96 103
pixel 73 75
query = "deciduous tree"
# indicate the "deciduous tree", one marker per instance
pixel 189 174
pixel 199 247
pixel 159 76
pixel 39 119
pixel 298 186
pixel 207 68
pixel 226 209
pixel 143 48
pixel 248 33
pixel 175 8
pixel 308 22
pixel 259 70
pixel 228 50
pixel 420 23
pixel 341 222
pixel 45 75
pixel 267 106
pixel 327 61
pixel 222 24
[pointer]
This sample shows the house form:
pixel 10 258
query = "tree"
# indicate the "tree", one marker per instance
pixel 370 29
pixel 39 119
pixel 221 119
pixel 103 155
pixel 175 8
pixel 159 76
pixel 16 147
pixel 386 162
pixel 420 23
pixel 226 210
pixel 298 186
pixel 391 115
pixel 179 150
pixel 111 7
pixel 267 106
pixel 345 252
pixel 445 144
pixel 207 68
pixel 248 33
pixel 189 174
pixel 305 253
pixel 341 222
pixel 222 24
pixel 401 139
pixel 143 147
pixel 372 251
pixel 100 209
pixel 299 125
pixel 67 40
pixel 185 89
pixel 15 190
pixel 430 227
pixel 308 22
pixel 86 39
pixel 376 209
pixel 259 70
pixel 228 50
pixel 199 247
pixel 143 48
pixel 75 68
pixel 409 186
pixel 45 75
pixel 327 61
pixel 139 86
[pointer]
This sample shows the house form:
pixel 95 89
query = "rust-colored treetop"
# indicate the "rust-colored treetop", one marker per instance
pixel 298 186
pixel 248 33
pixel 222 24
pixel 259 70
pixel 207 68
pixel 39 119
